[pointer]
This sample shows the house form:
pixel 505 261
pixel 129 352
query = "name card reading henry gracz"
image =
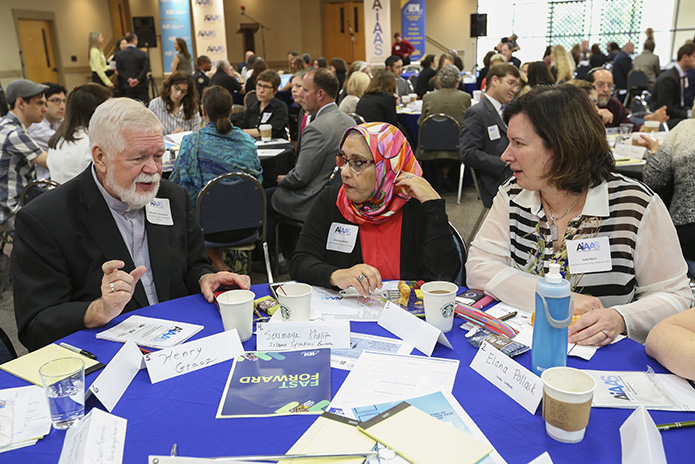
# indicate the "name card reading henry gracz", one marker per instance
pixel 278 336
pixel 522 385
pixel 191 356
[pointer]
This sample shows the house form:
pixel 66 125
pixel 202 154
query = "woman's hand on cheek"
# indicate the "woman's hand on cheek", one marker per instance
pixel 416 187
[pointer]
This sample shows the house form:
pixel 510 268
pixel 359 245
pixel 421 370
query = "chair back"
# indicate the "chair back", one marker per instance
pixel 232 201
pixel 637 79
pixel 358 119
pixel 249 99
pixel 439 132
pixel 7 351
pixel 35 188
pixel 463 255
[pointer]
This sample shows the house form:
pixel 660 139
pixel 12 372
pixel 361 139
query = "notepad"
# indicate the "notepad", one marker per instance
pixel 27 367
pixel 331 433
pixel 422 439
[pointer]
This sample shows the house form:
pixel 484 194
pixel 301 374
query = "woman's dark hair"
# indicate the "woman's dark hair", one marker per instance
pixel 189 100
pixel 258 67
pixel 339 65
pixel 78 111
pixel 427 61
pixel 539 74
pixel 567 121
pixel 298 65
pixel 486 59
pixel 596 50
pixel 442 57
pixel 322 62
pixel 383 82
pixel 183 47
pixel 548 51
pixel 217 102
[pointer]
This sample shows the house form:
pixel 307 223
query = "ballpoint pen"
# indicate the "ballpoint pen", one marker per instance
pixel 75 349
pixel 675 425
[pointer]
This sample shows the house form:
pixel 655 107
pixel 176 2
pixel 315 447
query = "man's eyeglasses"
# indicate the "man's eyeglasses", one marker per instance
pixel 57 101
pixel 264 87
pixel 179 89
pixel 356 164
pixel 512 83
pixel 602 85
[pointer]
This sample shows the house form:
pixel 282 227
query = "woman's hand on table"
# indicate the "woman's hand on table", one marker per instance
pixel 597 328
pixel 362 277
pixel 585 303
pixel 416 187
pixel 209 283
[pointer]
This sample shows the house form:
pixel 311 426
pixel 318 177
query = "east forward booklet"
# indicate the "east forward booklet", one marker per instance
pixel 263 383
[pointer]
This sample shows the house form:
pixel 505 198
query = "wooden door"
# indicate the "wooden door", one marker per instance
pixel 37 50
pixel 344 31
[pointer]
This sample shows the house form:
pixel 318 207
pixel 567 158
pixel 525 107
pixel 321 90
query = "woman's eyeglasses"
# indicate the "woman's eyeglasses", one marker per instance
pixel 356 164
pixel 180 90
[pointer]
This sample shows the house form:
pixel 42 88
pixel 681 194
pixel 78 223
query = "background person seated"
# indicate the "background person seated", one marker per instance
pixel 672 343
pixel 69 150
pixel 268 109
pixel 564 189
pixel 399 220
pixel 177 107
pixel 378 104
pixel 216 149
pixel 355 87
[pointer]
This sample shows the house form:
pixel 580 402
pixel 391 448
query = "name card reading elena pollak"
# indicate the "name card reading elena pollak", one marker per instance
pixel 519 383
pixel 279 336
pixel 192 356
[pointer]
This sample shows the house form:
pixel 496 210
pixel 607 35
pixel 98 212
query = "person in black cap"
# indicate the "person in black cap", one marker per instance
pixel 19 153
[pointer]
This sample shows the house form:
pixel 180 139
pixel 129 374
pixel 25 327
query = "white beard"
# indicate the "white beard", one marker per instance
pixel 130 196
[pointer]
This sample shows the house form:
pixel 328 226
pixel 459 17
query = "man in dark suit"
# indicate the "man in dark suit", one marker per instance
pixel 483 136
pixel 226 77
pixel 114 239
pixel 132 66
pixel 622 64
pixel 670 86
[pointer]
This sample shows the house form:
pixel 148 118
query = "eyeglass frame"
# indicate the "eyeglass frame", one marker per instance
pixel 357 169
pixel 179 89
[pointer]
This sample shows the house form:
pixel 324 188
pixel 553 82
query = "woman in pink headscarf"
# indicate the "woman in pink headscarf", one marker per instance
pixel 384 222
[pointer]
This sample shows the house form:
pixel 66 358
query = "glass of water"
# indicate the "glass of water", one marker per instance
pixel 63 382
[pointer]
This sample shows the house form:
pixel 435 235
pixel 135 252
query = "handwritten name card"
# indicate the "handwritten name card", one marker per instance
pixel 301 335
pixel 519 383
pixel 99 437
pixel 189 357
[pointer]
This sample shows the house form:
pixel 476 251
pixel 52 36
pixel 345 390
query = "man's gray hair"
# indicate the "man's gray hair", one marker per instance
pixel 116 117
pixel 449 77
pixel 222 65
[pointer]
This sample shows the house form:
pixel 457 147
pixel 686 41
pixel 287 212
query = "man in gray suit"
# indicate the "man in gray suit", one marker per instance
pixel 483 136
pixel 319 145
pixel 648 63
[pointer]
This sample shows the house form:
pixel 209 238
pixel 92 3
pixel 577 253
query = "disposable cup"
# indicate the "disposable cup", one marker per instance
pixel 405 99
pixel 266 132
pixel 651 126
pixel 477 95
pixel 567 395
pixel 295 301
pixel 63 384
pixel 236 309
pixel 439 298
pixel 413 96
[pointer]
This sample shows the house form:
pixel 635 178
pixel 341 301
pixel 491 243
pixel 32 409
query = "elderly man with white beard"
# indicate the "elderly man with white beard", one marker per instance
pixel 114 239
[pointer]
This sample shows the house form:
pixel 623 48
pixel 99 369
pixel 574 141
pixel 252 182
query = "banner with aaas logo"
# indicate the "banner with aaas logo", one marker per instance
pixel 174 21
pixel 210 35
pixel 377 30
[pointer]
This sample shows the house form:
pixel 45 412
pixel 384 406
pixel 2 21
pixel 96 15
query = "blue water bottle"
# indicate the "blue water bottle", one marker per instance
pixel 554 307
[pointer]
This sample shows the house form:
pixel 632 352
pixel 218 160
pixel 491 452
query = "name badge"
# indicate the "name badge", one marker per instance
pixel 342 237
pixel 158 212
pixel 493 132
pixel 265 117
pixel 589 255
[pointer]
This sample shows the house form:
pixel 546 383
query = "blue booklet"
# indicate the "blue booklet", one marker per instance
pixel 283 383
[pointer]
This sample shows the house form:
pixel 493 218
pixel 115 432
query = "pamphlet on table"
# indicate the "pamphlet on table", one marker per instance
pixel 29 416
pixel 346 358
pixel 151 332
pixel 277 384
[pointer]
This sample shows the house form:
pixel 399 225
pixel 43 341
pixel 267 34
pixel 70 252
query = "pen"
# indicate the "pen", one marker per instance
pixel 79 350
pixel 507 316
pixel 675 425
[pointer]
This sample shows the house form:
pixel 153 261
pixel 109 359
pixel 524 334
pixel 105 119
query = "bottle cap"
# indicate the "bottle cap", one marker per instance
pixel 553 276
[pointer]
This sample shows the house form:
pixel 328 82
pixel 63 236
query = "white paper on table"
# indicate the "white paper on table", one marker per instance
pixel 632 389
pixel 32 419
pixel 542 459
pixel 117 375
pixel 522 323
pixel 269 152
pixel 175 139
pixel 192 356
pixel 151 332
pixel 412 329
pixel 346 358
pixel 384 377
pixel 299 335
pixel 98 437
pixel 261 143
pixel 332 306
pixel 640 439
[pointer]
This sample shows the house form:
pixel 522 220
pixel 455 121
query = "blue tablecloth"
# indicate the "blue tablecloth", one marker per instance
pixel 182 410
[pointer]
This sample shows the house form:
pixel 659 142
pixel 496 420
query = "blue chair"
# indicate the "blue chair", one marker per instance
pixel 35 188
pixel 358 119
pixel 463 255
pixel 440 132
pixel 232 202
